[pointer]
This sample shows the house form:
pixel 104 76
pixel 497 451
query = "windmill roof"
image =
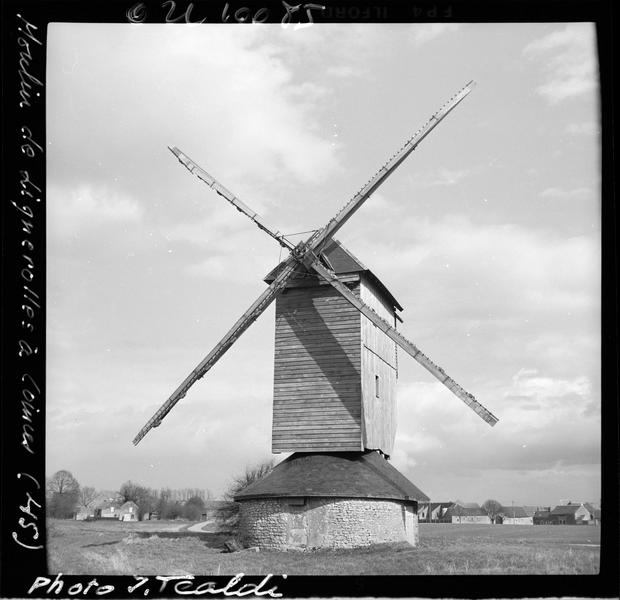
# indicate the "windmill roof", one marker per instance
pixel 344 262
pixel 337 474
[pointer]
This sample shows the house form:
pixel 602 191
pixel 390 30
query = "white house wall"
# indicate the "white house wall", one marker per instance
pixel 518 521
pixel 485 520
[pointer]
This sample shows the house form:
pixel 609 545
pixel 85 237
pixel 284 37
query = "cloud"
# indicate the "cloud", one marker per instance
pixel 378 204
pixel 230 247
pixel 344 71
pixel 423 34
pixel 215 412
pixel 568 56
pixel 100 402
pixel 187 86
pixel 559 357
pixel 447 177
pixel 584 128
pixel 561 194
pixel 85 206
pixel 505 270
pixel 527 438
pixel 529 383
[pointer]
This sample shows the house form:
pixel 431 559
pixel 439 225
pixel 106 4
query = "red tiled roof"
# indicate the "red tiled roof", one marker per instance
pixel 338 474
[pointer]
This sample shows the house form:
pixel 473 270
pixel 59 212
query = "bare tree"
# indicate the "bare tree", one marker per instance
pixel 139 494
pixel 492 508
pixel 87 496
pixel 62 494
pixel 62 482
pixel 252 474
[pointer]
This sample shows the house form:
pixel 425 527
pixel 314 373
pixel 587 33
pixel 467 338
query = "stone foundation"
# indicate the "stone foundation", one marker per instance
pixel 306 523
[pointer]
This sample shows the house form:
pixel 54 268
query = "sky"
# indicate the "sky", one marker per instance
pixel 488 235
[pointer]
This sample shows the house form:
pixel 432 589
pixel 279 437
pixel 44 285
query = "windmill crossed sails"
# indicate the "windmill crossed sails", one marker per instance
pixel 308 255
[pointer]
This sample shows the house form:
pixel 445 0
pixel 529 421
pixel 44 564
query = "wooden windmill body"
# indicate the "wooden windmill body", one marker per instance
pixel 334 405
pixel 334 371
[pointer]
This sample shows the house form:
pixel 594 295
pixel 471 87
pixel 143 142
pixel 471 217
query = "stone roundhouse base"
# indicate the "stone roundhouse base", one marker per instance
pixel 306 523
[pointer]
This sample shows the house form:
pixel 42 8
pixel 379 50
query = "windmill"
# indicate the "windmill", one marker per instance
pixel 334 400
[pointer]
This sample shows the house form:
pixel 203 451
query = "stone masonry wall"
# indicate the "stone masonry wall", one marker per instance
pixel 326 522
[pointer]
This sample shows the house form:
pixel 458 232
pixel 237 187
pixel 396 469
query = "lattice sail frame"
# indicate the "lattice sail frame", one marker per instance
pixel 306 255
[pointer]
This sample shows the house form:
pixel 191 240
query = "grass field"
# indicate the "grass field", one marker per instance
pixel 160 547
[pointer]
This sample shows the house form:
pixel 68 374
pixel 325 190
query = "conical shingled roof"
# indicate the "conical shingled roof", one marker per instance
pixel 337 474
pixel 343 262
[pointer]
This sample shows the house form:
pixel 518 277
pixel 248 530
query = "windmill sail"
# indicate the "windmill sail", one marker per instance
pixel 249 316
pixel 306 254
pixel 347 211
pixel 406 345
pixel 213 183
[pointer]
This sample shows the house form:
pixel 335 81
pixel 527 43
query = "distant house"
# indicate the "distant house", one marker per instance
pixel 542 516
pixel 128 511
pixel 564 514
pixel 457 513
pixel 108 510
pixel 431 512
pixel 514 515
pixel 590 518
pixel 573 514
pixel 439 510
pixel 423 511
pixel 530 510
pixel 85 514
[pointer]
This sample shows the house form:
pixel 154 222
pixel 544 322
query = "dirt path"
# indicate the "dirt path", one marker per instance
pixel 175 528
pixel 198 526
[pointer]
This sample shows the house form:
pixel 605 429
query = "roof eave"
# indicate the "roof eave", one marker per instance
pixel 242 497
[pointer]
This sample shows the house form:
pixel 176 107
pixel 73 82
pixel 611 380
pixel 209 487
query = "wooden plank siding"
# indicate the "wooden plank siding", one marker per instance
pixel 379 373
pixel 317 372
